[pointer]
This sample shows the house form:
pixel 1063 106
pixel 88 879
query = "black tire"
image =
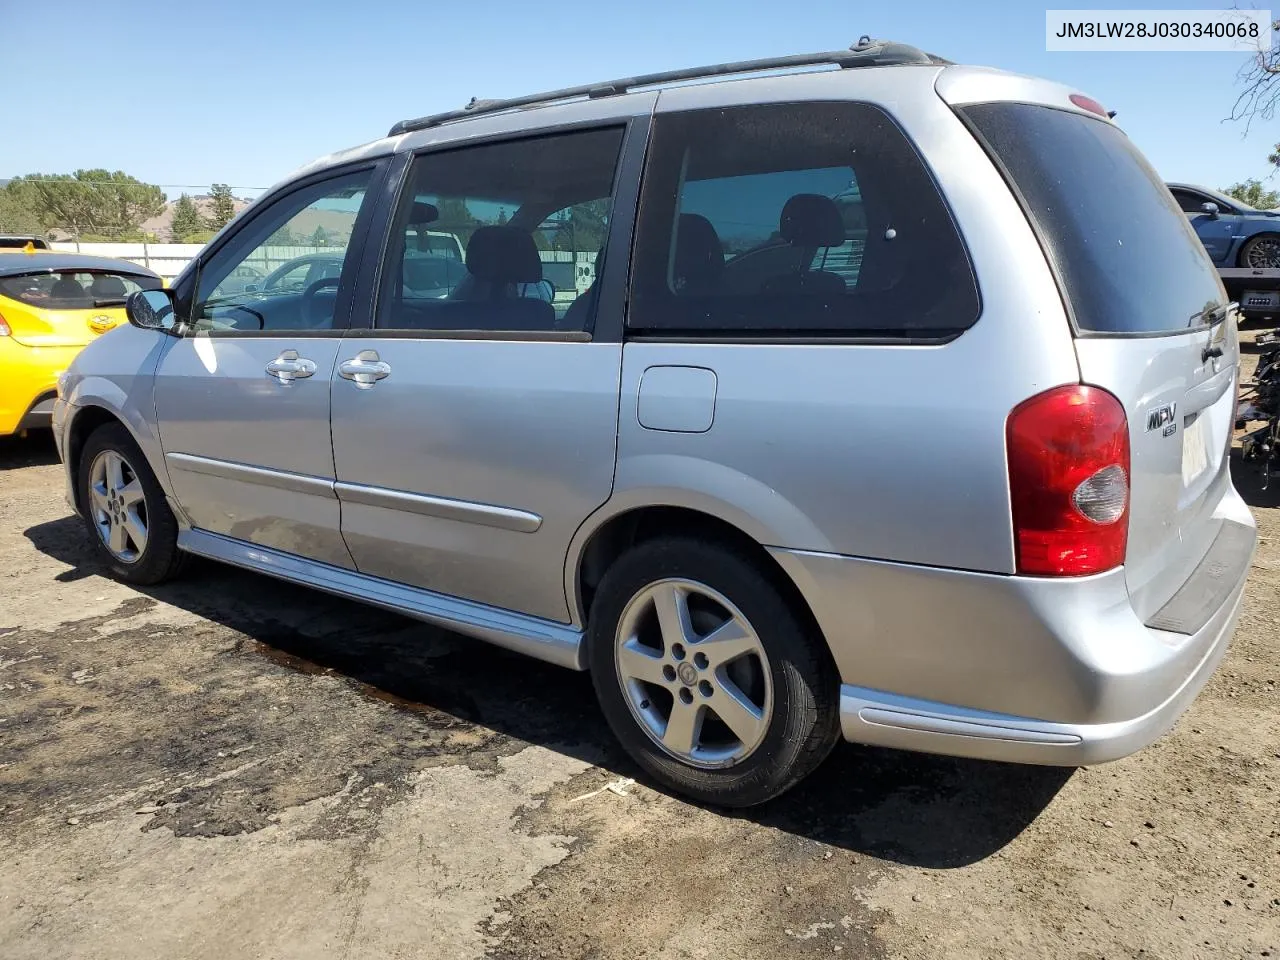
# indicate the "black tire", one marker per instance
pixel 1248 246
pixel 160 559
pixel 803 725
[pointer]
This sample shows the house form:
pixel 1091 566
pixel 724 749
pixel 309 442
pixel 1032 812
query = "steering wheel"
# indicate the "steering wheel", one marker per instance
pixel 309 318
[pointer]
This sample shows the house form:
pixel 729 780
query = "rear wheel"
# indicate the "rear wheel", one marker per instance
pixel 129 522
pixel 706 675
pixel 1261 252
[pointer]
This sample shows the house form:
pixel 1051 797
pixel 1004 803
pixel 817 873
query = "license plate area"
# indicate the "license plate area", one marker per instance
pixel 1195 449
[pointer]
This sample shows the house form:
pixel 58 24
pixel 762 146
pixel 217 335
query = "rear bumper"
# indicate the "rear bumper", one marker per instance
pixel 29 382
pixel 1257 291
pixel 906 723
pixel 1059 672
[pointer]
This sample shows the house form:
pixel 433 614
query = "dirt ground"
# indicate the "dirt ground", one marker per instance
pixel 229 767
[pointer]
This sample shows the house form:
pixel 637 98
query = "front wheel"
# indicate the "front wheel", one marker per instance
pixel 1261 252
pixel 129 522
pixel 706 674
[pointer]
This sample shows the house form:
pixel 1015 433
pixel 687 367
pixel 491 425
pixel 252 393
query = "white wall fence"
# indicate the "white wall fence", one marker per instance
pixel 166 259
pixel 169 259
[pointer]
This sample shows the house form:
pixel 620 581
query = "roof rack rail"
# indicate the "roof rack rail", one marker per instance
pixel 865 53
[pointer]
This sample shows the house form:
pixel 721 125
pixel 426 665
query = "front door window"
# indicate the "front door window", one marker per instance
pixel 299 249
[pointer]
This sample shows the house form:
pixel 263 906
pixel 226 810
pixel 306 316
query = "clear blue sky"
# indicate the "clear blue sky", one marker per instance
pixel 242 93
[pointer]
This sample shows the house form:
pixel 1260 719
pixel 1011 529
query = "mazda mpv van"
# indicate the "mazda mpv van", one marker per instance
pixel 884 399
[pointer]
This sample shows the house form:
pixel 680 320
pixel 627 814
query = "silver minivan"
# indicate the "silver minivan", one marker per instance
pixel 891 399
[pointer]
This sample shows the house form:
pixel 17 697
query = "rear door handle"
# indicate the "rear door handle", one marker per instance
pixel 289 367
pixel 364 369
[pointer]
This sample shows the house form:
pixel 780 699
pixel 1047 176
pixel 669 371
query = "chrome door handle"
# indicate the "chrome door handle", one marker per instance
pixel 364 369
pixel 289 367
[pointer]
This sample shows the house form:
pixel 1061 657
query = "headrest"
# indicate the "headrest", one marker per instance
pixel 699 259
pixel 422 212
pixel 67 287
pixel 107 286
pixel 811 220
pixel 503 254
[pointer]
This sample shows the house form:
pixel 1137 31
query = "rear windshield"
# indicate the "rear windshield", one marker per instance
pixel 73 289
pixel 1126 257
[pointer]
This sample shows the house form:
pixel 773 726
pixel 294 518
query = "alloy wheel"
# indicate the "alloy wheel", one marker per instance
pixel 694 673
pixel 1264 254
pixel 118 505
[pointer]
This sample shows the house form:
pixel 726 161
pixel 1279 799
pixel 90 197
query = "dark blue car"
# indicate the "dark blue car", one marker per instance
pixel 1234 233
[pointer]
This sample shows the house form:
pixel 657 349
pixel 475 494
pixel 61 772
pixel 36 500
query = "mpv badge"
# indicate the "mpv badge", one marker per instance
pixel 1162 419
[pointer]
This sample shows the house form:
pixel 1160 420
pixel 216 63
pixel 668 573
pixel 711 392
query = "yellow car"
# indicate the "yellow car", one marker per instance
pixel 51 305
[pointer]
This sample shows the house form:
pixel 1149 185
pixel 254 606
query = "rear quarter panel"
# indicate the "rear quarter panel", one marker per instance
pixel 890 452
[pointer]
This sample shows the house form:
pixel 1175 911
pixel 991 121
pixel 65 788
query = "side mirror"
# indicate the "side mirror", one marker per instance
pixel 151 310
pixel 250 288
pixel 1211 209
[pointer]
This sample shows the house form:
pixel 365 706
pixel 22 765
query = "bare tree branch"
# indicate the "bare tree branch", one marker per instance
pixel 1261 90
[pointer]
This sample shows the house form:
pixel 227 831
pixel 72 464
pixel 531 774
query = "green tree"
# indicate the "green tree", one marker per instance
pixel 319 238
pixel 455 218
pixel 187 221
pixel 107 203
pixel 1252 192
pixel 16 217
pixel 124 236
pixel 282 238
pixel 588 225
pixel 580 229
pixel 222 206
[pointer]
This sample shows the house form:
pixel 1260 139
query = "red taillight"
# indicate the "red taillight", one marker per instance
pixel 1090 104
pixel 1068 454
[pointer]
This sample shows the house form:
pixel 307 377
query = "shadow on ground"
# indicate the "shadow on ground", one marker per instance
pixel 907 808
pixel 1248 479
pixel 36 449
pixel 1249 346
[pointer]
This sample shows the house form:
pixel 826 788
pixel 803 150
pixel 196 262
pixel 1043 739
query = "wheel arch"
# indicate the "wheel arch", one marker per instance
pixel 1244 243
pixel 610 533
pixel 83 423
pixel 90 410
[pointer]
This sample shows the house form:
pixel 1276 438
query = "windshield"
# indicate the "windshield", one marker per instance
pixel 1125 254
pixel 74 289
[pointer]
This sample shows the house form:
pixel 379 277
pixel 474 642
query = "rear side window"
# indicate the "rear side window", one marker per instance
pixel 1124 252
pixel 502 237
pixel 74 289
pixel 795 219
